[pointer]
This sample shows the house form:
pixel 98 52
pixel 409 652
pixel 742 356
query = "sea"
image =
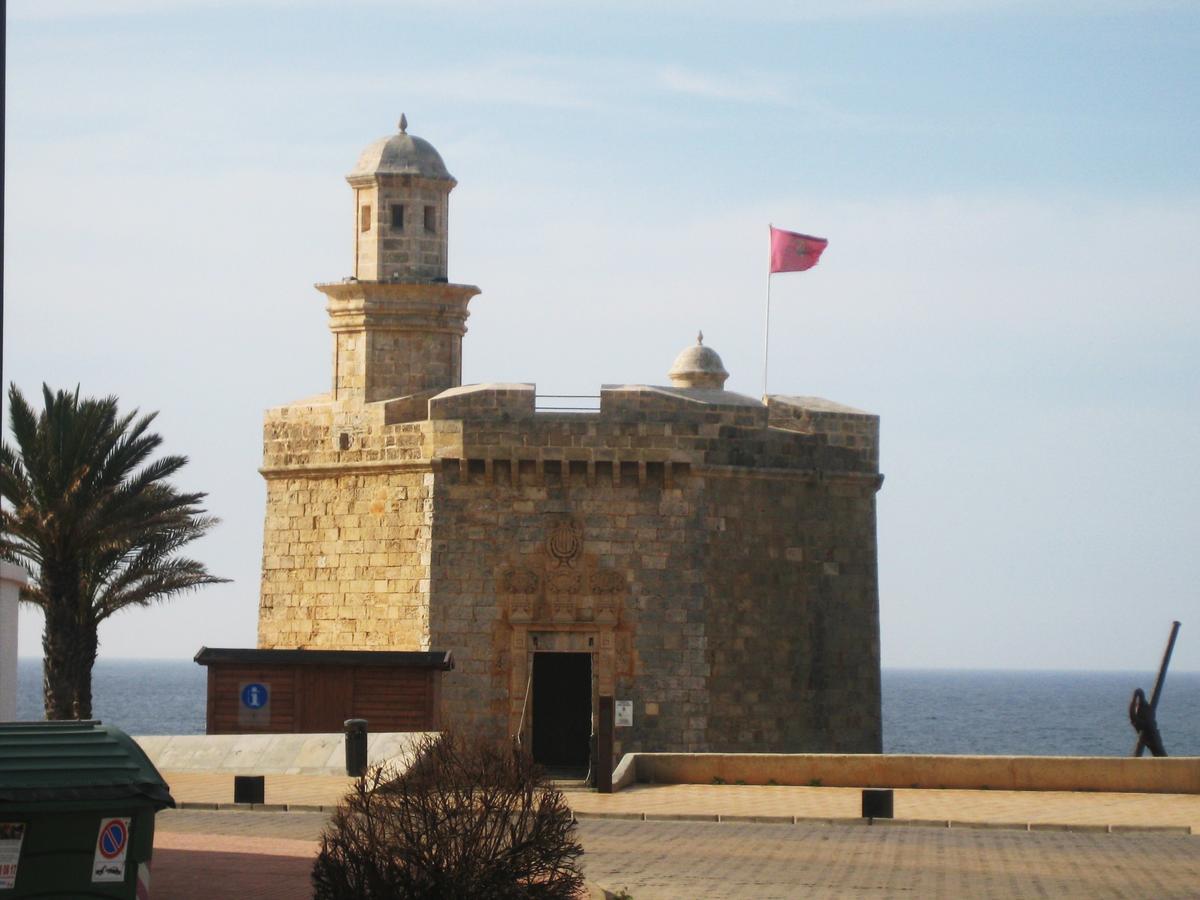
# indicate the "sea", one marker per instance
pixel 1020 713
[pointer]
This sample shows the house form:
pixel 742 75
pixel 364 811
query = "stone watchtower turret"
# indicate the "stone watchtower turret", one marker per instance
pixel 397 323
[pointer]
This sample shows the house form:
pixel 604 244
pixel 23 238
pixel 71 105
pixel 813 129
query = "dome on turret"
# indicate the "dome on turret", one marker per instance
pixel 698 367
pixel 401 154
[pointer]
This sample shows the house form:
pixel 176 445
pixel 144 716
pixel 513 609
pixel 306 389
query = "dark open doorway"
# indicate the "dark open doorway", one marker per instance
pixel 562 709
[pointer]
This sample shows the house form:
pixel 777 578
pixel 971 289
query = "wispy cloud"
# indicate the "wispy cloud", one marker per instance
pixel 630 86
pixel 740 87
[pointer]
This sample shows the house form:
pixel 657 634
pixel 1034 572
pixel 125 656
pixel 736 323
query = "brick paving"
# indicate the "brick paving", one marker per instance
pixel 740 861
pixel 301 827
pixel 986 851
pixel 201 854
pixel 191 866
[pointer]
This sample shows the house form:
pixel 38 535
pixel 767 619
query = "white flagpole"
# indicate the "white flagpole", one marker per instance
pixel 767 322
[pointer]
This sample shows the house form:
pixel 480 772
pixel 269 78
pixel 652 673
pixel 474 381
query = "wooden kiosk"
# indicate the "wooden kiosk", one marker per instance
pixel 315 691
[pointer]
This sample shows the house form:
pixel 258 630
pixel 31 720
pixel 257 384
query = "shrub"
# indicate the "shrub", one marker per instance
pixel 468 819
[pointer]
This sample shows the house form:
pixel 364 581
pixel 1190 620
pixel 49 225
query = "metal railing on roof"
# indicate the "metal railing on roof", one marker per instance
pixel 557 403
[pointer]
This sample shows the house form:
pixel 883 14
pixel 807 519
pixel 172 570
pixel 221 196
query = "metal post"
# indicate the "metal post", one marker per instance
pixel 767 316
pixel 356 747
pixel 604 747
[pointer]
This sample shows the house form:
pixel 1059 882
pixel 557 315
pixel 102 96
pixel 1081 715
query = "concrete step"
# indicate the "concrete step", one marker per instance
pixel 571 786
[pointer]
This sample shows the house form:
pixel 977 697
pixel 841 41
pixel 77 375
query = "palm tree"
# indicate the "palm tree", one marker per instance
pixel 91 517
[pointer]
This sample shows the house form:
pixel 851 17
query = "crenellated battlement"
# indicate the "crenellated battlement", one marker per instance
pixel 495 428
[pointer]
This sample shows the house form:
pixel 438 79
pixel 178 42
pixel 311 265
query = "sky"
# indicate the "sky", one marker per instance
pixel 1009 189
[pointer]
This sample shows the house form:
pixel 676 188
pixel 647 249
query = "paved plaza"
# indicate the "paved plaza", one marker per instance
pixel 206 864
pixel 655 842
pixel 269 855
pixel 674 859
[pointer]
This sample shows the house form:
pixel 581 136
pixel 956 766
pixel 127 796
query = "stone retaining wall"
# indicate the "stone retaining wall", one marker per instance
pixel 271 754
pixel 1173 775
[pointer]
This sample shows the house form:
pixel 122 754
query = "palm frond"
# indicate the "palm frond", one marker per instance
pixel 90 512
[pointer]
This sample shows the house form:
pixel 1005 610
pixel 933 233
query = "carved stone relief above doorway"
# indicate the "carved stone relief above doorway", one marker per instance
pixel 560 599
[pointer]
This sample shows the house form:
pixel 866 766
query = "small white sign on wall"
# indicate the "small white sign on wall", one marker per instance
pixel 623 715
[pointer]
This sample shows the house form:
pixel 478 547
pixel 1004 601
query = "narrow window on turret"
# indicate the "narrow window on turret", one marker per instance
pixel 397 216
pixel 366 218
pixel 430 220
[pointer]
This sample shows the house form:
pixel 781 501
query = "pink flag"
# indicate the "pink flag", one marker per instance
pixel 792 252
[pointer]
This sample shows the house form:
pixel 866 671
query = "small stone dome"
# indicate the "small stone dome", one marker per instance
pixel 698 367
pixel 401 154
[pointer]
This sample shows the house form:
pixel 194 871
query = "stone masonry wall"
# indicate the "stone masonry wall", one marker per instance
pixel 382 252
pixel 791 611
pixel 750 617
pixel 346 540
pixel 413 252
pixel 346 562
pixel 840 426
pixel 398 366
pixel 725 578
pixel 395 339
pixel 751 621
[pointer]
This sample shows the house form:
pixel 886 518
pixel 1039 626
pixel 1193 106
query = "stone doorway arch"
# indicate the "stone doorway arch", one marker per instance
pixel 560 599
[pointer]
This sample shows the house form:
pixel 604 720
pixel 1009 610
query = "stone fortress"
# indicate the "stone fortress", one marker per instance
pixel 704 556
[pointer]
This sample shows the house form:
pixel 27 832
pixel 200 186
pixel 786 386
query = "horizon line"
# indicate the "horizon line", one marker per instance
pixel 928 668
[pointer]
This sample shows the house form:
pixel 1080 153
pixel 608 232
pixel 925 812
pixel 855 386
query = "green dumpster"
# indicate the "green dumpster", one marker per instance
pixel 77 806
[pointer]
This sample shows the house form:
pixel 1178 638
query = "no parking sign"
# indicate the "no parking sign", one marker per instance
pixel 111 846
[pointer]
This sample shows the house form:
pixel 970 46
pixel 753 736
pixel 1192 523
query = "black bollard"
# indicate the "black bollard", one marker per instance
pixel 249 789
pixel 356 747
pixel 877 803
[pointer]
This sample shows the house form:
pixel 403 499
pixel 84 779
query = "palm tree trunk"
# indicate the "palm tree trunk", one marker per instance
pixel 69 646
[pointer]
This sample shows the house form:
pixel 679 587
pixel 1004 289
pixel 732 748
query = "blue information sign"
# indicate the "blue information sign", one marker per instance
pixel 254 696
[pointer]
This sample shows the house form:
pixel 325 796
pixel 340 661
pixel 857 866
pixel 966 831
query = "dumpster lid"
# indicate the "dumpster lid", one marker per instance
pixel 75 761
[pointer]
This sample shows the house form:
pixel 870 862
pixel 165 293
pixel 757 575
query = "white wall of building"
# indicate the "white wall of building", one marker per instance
pixel 11 579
